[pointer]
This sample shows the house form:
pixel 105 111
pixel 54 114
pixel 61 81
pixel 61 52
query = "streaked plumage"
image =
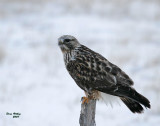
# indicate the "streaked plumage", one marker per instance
pixel 94 74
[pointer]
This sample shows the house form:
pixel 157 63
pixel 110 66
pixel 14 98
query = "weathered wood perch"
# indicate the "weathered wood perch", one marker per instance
pixel 87 116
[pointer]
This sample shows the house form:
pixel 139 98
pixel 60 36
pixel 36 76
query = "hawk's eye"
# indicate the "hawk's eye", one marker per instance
pixel 67 40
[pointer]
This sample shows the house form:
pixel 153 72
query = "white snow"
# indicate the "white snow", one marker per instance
pixel 33 79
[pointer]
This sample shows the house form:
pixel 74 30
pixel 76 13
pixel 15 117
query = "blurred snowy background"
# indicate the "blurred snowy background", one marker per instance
pixel 33 79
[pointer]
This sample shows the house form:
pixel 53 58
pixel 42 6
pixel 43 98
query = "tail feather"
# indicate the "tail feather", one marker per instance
pixel 129 92
pixel 135 107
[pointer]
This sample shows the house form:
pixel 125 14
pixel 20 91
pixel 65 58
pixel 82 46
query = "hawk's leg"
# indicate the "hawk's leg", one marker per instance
pixel 85 100
pixel 94 95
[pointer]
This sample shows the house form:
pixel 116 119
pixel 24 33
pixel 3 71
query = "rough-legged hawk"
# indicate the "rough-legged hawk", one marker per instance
pixel 97 76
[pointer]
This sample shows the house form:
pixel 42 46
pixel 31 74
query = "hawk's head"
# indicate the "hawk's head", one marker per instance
pixel 67 43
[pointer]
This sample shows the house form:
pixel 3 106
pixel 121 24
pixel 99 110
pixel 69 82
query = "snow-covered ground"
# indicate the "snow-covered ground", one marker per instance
pixel 33 79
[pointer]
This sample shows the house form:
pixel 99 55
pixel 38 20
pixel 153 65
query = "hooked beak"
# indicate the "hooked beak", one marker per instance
pixel 60 43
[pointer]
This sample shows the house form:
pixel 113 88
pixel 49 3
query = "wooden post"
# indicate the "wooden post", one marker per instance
pixel 87 116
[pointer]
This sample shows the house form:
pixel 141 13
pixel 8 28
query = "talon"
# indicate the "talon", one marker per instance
pixel 84 100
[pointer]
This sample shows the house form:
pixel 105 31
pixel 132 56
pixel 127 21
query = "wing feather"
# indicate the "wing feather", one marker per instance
pixel 95 71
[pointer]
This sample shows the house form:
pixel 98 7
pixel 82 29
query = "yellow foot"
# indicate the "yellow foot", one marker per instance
pixel 85 100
